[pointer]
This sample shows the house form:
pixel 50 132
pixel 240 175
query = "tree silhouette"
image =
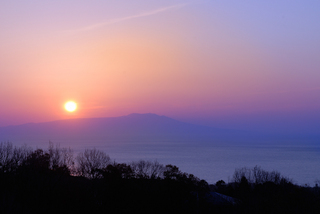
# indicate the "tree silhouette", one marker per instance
pixel 148 169
pixel 91 162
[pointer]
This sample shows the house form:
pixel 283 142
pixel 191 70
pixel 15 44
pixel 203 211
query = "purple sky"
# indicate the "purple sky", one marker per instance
pixel 251 65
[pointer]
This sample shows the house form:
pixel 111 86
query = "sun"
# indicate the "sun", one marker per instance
pixel 70 106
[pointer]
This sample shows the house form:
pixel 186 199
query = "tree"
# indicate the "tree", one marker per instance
pixel 91 162
pixel 61 159
pixel 256 175
pixel 6 151
pixel 147 169
pixel 117 172
pixel 220 183
pixel 38 160
pixel 12 157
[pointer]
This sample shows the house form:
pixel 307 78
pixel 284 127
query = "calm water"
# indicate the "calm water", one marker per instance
pixel 214 162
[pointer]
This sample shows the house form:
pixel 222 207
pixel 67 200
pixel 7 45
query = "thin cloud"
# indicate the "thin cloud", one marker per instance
pixel 113 21
pixel 97 107
pixel 289 91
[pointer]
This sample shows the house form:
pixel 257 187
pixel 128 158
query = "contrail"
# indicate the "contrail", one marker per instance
pixel 113 21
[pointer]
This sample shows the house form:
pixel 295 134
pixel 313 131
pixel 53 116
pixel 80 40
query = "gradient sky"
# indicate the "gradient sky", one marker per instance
pixel 251 65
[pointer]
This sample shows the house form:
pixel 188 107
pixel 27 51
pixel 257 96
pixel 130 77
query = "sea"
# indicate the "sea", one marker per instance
pixel 213 161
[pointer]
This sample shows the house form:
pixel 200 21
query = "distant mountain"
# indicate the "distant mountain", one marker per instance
pixel 133 127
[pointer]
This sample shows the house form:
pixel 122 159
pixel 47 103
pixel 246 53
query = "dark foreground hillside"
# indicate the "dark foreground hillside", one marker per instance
pixel 53 181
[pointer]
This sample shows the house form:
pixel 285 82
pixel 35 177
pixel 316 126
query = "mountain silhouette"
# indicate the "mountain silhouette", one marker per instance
pixel 133 127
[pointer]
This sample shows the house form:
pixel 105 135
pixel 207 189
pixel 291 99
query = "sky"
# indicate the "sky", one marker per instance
pixel 251 65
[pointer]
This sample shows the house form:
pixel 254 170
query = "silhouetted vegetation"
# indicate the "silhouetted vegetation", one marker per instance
pixel 259 191
pixel 54 181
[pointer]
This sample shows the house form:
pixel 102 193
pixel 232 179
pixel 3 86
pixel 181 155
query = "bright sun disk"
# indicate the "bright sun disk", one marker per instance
pixel 70 106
